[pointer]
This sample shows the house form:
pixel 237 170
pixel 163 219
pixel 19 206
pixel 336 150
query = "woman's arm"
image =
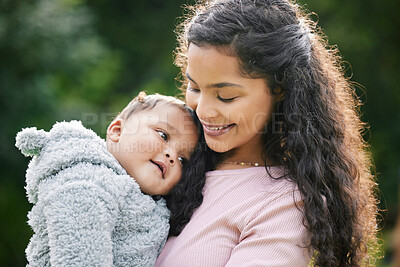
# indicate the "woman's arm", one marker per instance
pixel 80 219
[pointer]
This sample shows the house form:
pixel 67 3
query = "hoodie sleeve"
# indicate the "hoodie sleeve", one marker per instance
pixel 80 219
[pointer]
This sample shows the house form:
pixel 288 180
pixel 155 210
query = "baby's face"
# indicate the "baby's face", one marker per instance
pixel 152 146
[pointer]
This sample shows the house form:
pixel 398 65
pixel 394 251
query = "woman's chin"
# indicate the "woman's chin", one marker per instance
pixel 219 147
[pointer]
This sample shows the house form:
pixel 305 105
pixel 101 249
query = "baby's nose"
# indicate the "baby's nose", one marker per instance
pixel 169 157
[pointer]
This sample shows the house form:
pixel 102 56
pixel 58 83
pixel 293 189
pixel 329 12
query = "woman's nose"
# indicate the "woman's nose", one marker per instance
pixel 205 109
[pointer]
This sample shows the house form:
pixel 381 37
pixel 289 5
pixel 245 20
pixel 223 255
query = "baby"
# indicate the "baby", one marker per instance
pixel 96 202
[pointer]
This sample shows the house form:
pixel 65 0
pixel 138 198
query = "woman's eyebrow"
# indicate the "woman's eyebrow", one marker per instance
pixel 216 85
pixel 190 78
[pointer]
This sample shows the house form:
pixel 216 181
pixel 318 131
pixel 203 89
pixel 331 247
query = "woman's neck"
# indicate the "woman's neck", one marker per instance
pixel 243 157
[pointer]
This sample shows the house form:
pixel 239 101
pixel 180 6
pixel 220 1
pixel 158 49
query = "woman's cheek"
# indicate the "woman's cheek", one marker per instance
pixel 191 99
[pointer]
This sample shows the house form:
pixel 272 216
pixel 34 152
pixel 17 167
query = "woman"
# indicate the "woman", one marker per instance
pixel 291 178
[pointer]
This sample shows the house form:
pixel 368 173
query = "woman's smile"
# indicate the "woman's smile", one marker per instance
pixel 217 130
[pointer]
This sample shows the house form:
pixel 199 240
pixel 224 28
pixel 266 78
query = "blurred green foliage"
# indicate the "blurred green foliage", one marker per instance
pixel 85 59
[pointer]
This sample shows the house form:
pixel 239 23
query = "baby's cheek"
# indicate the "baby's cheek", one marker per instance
pixel 175 178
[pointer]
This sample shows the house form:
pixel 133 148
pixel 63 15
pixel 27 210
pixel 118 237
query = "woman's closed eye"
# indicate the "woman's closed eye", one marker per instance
pixel 192 89
pixel 163 135
pixel 223 99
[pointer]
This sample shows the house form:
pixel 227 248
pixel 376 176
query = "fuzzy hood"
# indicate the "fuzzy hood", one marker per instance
pixel 65 145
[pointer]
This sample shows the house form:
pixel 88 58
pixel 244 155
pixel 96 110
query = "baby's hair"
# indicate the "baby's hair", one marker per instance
pixel 144 102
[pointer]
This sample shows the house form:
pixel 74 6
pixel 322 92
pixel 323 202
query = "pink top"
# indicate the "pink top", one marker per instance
pixel 246 219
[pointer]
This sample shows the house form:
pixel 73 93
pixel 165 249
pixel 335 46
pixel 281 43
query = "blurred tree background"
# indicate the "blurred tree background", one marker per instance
pixel 85 60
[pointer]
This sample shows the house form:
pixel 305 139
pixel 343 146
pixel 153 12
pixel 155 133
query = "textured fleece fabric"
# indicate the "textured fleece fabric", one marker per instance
pixel 86 210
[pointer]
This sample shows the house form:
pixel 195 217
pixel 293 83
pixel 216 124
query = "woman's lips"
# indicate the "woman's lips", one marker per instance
pixel 217 130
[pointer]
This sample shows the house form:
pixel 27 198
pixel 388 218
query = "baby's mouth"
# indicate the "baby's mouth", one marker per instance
pixel 161 166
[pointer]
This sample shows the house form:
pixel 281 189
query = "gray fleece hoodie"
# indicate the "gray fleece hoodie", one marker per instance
pixel 86 210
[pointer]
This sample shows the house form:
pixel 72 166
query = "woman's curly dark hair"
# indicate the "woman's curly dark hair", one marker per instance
pixel 187 195
pixel 315 131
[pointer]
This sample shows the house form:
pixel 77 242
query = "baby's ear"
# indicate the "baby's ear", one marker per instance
pixel 31 141
pixel 114 130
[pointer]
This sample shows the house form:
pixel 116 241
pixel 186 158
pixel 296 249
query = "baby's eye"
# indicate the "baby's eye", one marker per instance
pixel 163 135
pixel 182 160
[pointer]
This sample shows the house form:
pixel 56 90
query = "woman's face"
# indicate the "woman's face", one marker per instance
pixel 233 109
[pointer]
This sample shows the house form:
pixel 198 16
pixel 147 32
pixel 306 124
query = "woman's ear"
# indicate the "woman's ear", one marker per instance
pixel 280 97
pixel 114 130
pixel 279 94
